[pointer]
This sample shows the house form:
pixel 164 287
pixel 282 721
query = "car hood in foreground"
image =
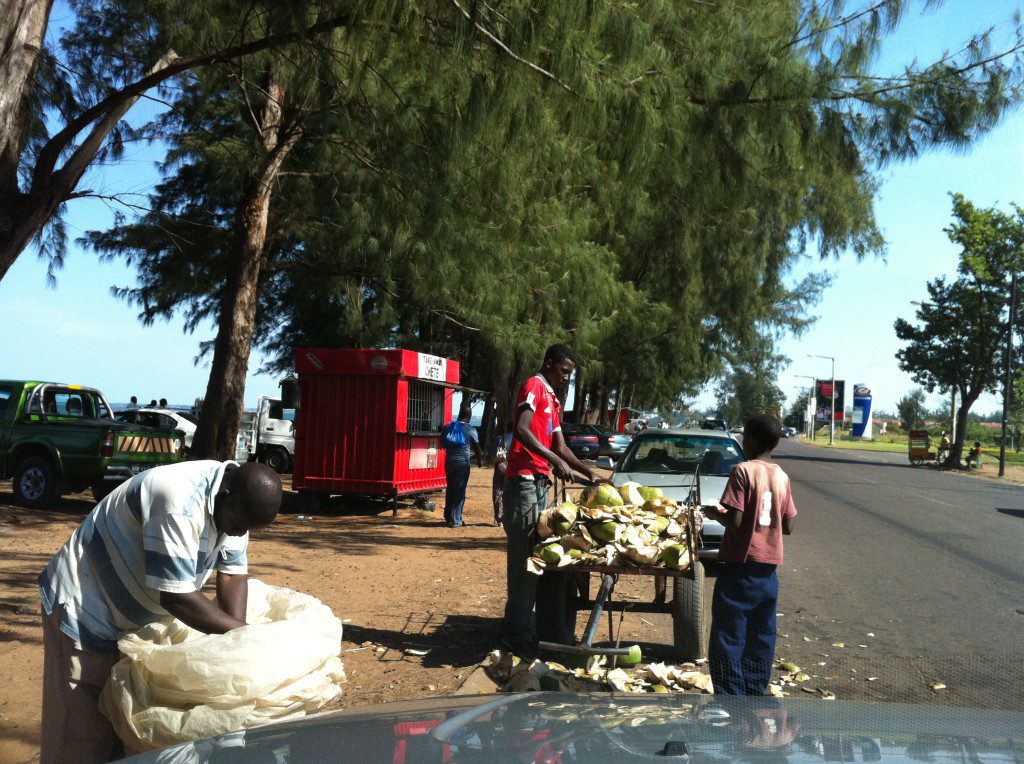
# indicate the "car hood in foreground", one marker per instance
pixel 563 727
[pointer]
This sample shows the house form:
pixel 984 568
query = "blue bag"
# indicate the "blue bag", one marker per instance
pixel 454 434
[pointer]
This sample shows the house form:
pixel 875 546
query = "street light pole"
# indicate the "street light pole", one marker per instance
pixel 832 417
pixel 1008 378
pixel 811 408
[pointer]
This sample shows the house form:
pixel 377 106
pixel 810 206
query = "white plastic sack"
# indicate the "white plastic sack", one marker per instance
pixel 176 684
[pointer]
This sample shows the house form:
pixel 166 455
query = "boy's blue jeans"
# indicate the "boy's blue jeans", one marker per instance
pixel 742 647
pixel 457 476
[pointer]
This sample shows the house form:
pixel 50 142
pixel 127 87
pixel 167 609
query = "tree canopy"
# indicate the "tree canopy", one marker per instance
pixel 480 180
pixel 958 340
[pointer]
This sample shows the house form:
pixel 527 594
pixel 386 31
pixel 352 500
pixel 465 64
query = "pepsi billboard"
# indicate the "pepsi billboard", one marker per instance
pixel 862 412
pixel 823 399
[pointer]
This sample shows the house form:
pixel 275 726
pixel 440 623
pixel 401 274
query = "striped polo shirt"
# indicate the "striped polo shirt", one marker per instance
pixel 152 534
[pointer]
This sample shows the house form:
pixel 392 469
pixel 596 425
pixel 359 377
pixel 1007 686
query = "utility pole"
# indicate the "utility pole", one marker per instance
pixel 952 415
pixel 1008 375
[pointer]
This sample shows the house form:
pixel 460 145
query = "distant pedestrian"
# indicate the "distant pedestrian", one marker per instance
pixel 163 403
pixel 974 456
pixel 152 403
pixel 134 403
pixel 756 509
pixel 498 482
pixel 457 438
pixel 944 446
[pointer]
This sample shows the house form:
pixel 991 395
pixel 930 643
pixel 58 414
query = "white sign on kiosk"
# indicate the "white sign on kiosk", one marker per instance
pixel 432 367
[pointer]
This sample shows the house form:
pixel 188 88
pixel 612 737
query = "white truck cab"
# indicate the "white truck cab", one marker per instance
pixel 269 434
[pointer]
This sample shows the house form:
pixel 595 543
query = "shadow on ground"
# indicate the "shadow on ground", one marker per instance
pixel 459 640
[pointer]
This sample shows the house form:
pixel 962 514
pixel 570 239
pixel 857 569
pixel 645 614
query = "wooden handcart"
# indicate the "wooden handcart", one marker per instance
pixel 919 448
pixel 563 592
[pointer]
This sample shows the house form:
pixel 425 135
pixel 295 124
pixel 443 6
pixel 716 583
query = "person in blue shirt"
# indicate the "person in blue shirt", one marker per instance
pixel 457 438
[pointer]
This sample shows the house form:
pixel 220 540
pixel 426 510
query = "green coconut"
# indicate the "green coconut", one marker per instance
pixel 601 495
pixel 606 531
pixel 550 553
pixel 676 556
pixel 650 493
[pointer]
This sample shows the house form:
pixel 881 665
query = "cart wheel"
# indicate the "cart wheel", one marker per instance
pixel 915 462
pixel 558 600
pixel 688 614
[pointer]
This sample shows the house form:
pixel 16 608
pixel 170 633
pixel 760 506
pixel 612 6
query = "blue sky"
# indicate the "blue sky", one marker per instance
pixel 79 332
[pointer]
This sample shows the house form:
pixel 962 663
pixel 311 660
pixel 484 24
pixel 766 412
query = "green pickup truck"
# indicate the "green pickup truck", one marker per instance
pixel 58 438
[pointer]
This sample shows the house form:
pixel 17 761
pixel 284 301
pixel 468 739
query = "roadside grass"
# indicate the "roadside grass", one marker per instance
pixel 897 443
pixel 846 442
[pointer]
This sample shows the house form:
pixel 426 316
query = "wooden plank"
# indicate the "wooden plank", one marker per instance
pixel 585 606
pixel 618 569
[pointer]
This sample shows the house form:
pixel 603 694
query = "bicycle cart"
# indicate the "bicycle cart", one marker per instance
pixel 919 448
pixel 563 592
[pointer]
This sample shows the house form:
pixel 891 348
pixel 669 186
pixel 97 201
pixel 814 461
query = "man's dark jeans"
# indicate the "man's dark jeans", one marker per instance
pixel 522 502
pixel 457 476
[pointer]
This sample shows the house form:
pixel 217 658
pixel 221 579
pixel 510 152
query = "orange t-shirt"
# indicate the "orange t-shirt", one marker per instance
pixel 761 491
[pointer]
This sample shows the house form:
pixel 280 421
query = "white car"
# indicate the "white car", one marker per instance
pixel 162 419
pixel 669 459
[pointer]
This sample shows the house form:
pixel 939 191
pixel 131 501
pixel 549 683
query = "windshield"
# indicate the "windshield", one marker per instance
pixel 672 454
pixel 68 403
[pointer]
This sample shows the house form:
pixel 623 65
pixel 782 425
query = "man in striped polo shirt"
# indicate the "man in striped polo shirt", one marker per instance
pixel 144 552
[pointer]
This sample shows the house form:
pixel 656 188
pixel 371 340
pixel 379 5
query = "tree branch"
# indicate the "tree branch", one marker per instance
pixel 50 153
pixel 497 42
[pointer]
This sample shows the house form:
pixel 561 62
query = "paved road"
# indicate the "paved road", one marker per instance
pixel 931 563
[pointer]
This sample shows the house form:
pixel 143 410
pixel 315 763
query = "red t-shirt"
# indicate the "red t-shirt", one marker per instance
pixel 761 491
pixel 538 396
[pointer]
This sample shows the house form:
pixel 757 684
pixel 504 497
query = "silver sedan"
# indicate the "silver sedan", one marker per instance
pixel 669 459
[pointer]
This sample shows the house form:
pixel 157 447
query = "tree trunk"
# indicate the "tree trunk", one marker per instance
pixel 602 414
pixel 957 449
pixel 23 26
pixel 24 215
pixel 618 405
pixel 487 429
pixel 221 414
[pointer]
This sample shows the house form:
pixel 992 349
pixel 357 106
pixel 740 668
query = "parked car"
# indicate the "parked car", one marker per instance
pixel 669 459
pixel 60 438
pixel 613 443
pixel 168 420
pixel 582 440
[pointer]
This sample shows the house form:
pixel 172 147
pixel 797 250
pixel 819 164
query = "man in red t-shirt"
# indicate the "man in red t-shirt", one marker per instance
pixel 757 510
pixel 537 448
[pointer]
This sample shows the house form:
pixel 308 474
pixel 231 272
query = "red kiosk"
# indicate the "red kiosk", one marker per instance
pixel 369 422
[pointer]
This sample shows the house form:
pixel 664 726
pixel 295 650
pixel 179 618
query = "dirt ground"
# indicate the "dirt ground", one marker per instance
pixel 403 582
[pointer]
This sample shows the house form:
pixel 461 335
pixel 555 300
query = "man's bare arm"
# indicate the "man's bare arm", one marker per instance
pixel 197 610
pixel 562 449
pixel 787 525
pixel 730 517
pixel 233 594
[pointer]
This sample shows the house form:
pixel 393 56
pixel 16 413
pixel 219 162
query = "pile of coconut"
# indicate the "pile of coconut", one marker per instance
pixel 634 525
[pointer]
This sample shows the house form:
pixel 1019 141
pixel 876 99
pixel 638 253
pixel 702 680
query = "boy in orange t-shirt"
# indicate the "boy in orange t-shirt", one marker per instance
pixel 757 510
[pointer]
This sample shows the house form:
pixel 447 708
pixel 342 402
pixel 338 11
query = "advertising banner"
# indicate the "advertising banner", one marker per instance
pixel 823 399
pixel 862 411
